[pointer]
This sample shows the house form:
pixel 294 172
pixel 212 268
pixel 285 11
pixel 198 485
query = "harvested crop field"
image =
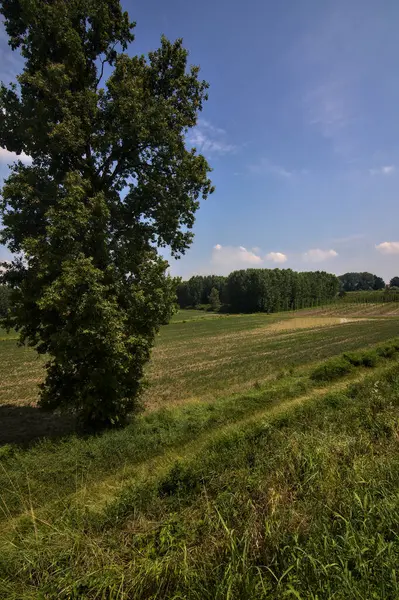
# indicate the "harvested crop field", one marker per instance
pixel 206 360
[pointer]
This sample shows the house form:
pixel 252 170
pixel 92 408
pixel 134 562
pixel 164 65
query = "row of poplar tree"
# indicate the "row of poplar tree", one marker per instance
pixel 260 290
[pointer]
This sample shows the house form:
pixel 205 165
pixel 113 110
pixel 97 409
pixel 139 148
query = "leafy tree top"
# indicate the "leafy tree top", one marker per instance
pixel 128 135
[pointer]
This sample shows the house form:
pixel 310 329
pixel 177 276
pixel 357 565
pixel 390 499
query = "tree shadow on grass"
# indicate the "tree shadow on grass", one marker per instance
pixel 24 425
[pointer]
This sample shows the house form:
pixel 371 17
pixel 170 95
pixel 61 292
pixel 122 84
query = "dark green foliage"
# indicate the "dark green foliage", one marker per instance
pixel 5 298
pixel 197 289
pixel 352 282
pixel 273 290
pixel 110 181
pixel 214 299
pixel 394 282
pixel 379 283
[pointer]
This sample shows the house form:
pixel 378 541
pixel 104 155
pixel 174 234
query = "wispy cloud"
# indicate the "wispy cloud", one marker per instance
pixel 316 255
pixel 349 238
pixel 331 60
pixel 7 157
pixel 207 125
pixel 326 107
pixel 277 257
pixel 386 170
pixel 388 247
pixel 265 166
pixel 209 139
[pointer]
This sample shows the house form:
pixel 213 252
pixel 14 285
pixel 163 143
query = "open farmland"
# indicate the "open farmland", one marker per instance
pixel 205 359
pixel 264 465
pixel 201 356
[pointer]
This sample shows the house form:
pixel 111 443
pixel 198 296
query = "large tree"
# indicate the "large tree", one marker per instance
pixel 110 182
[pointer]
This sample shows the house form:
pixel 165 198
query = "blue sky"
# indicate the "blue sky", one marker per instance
pixel 301 129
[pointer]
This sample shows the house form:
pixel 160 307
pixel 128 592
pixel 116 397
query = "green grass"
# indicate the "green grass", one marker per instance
pixel 303 503
pixel 210 358
pixel 246 477
pixel 191 315
pixel 213 356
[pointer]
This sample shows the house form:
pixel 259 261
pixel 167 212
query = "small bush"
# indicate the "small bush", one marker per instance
pixel 368 358
pixel 332 369
pixel 354 358
pixel 387 351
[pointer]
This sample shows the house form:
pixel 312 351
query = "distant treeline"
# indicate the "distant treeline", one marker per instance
pixel 261 290
pixel 357 282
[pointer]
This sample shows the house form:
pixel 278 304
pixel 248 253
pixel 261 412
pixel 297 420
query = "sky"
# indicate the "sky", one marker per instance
pixel 301 129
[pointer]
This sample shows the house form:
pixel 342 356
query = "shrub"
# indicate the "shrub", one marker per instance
pixel 354 358
pixel 387 351
pixel 369 358
pixel 332 369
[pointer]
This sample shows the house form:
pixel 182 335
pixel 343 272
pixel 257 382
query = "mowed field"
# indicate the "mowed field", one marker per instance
pixel 264 465
pixel 201 356
pixel 204 358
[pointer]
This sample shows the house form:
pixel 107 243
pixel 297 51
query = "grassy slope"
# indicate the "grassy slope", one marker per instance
pixel 249 480
pixel 299 501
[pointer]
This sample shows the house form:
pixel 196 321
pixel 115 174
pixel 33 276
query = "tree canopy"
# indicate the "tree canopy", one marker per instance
pixel 110 182
pixel 352 282
pixel 394 282
pixel 198 288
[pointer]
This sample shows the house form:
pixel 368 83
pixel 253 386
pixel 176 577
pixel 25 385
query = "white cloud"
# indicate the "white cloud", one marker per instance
pixel 209 139
pixel 388 247
pixel 8 157
pixel 316 255
pixel 387 170
pixel 277 257
pixel 228 258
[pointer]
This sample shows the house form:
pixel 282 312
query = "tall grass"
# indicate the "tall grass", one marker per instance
pixel 303 505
